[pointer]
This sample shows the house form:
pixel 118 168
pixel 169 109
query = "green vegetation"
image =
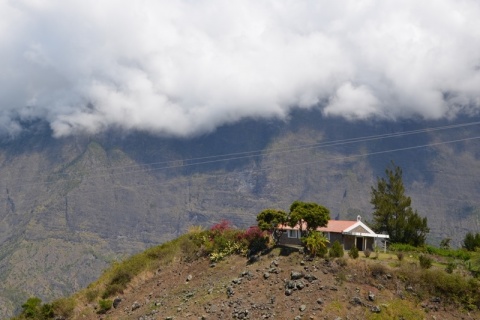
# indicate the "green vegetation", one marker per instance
pixel 404 247
pixel 397 309
pixel 393 213
pixel 316 243
pixel 34 309
pixel 269 219
pixel 471 241
pixel 451 266
pixel 451 253
pixel 216 243
pixel 445 243
pixel 307 215
pixel 400 255
pixel 425 261
pixel 455 288
pixel 353 253
pixel 222 240
pixel 336 251
pixel 460 254
pixel 104 305
pixel 314 215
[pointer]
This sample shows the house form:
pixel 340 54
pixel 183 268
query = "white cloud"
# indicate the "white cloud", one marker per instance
pixel 182 67
pixel 353 102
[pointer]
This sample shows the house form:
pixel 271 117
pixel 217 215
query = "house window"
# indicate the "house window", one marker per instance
pixel 327 235
pixel 293 233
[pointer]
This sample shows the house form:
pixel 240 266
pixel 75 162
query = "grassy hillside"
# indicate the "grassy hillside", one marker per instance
pixel 187 279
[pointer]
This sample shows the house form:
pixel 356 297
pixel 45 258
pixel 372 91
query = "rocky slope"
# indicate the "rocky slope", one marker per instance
pixel 280 285
pixel 71 206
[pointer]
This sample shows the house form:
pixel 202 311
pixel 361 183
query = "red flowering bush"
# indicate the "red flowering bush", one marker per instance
pixel 221 227
pixel 255 239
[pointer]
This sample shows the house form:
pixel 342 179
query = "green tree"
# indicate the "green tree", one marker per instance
pixel 393 212
pixel 471 241
pixel 314 215
pixel 353 252
pixel 269 219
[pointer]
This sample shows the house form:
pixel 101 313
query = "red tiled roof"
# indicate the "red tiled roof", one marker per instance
pixel 333 226
pixel 337 226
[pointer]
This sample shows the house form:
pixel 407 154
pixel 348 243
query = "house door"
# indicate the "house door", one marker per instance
pixel 359 244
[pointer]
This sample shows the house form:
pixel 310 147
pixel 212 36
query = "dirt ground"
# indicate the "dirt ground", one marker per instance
pixel 280 285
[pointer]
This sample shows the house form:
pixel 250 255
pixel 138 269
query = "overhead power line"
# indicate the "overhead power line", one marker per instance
pixel 198 161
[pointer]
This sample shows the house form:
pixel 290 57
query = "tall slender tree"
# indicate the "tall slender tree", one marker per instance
pixel 393 212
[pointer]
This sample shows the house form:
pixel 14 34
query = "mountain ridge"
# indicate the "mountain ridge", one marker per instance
pixel 108 196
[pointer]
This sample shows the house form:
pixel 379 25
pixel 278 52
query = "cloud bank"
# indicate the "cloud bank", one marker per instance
pixel 182 67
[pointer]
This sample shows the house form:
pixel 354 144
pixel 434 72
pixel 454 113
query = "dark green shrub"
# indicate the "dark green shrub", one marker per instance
pixel 32 307
pixel 118 282
pixel 400 255
pixel 353 252
pixel 425 261
pixel 336 251
pixel 450 267
pixel 104 305
pixel 46 311
pixel 112 289
pixel 122 277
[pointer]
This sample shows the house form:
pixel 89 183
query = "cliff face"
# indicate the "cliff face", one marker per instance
pixel 70 206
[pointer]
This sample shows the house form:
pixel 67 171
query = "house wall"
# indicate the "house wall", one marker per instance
pixel 284 239
pixel 370 244
pixel 348 242
pixel 335 237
